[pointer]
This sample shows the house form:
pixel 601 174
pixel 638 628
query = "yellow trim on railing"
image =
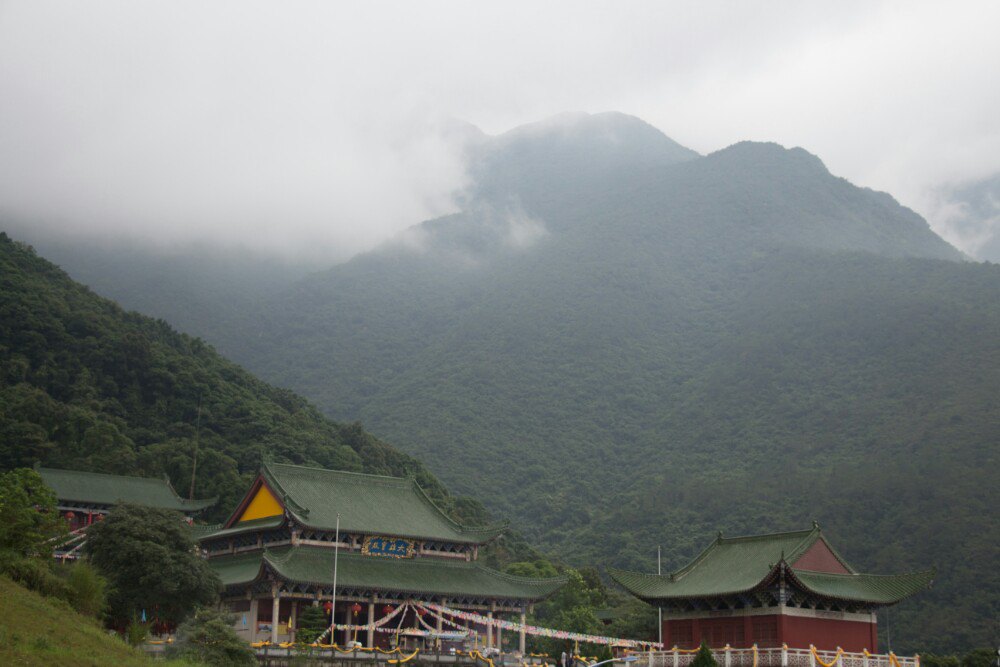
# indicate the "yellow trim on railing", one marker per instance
pixel 400 661
pixel 833 662
pixel 685 650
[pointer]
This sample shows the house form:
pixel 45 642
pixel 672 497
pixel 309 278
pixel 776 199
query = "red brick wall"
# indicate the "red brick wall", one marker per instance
pixel 828 633
pixel 770 631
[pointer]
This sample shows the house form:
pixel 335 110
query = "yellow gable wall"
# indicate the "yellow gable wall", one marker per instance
pixel 264 504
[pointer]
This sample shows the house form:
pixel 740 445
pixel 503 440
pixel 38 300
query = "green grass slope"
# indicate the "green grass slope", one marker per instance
pixel 35 630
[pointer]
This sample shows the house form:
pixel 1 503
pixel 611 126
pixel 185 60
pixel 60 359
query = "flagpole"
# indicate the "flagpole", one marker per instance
pixel 659 609
pixel 333 602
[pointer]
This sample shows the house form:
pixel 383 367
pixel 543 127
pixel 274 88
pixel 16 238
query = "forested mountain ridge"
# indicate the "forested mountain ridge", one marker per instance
pixel 624 344
pixel 87 385
pixel 631 352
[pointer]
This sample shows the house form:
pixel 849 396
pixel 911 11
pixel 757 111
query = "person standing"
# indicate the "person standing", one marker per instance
pixel 564 659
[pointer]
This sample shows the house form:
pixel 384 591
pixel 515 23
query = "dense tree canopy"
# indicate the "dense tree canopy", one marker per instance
pixel 87 385
pixel 29 520
pixel 153 565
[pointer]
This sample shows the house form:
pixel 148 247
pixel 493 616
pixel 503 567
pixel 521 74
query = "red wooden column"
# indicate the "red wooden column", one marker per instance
pixel 747 631
pixel 695 632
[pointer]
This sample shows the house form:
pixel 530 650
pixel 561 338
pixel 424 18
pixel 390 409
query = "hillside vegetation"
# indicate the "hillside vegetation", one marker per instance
pixel 85 384
pixel 624 352
pixel 623 344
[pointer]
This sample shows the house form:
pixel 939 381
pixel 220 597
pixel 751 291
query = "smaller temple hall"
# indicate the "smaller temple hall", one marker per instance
pixel 768 590
pixel 396 550
pixel 85 497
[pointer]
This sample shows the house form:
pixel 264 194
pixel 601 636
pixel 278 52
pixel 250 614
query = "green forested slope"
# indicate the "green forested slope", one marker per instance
pixel 624 345
pixel 637 352
pixel 87 385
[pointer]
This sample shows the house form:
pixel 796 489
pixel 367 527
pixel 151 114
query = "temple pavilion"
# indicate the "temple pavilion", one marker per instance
pixel 275 555
pixel 85 497
pixel 784 588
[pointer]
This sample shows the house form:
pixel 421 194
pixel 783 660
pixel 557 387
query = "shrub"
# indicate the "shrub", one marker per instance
pixel 980 657
pixel 208 637
pixel 704 657
pixel 136 632
pixel 87 590
pixel 311 624
pixel 37 575
pixel 932 660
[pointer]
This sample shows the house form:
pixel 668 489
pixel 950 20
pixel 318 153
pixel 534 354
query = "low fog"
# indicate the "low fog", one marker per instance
pixel 319 129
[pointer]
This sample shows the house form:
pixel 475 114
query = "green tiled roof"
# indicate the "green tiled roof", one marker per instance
pixel 217 530
pixel 102 489
pixel 314 565
pixel 238 569
pixel 370 504
pixel 882 589
pixel 735 565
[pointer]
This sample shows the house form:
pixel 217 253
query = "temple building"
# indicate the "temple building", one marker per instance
pixel 784 588
pixel 85 497
pixel 275 556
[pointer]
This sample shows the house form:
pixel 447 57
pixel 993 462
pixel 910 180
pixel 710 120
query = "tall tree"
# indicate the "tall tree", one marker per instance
pixel 150 559
pixel 29 519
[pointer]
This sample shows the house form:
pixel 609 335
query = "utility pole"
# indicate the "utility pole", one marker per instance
pixel 659 609
pixel 197 432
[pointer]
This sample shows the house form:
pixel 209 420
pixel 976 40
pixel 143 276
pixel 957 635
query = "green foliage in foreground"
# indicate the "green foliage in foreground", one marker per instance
pixel 208 637
pixel 29 519
pixel 153 565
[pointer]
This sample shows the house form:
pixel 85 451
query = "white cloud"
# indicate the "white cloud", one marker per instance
pixel 318 126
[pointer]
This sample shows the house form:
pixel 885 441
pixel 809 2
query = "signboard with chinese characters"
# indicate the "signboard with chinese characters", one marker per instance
pixel 393 547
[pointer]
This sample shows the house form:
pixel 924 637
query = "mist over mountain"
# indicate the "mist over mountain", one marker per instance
pixel 973 213
pixel 624 344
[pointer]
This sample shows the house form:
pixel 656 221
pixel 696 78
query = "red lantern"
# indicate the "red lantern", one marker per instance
pixel 356 608
pixel 421 611
pixel 69 516
pixel 387 609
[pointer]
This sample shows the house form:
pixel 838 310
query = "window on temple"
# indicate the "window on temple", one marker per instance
pixel 681 634
pixel 765 631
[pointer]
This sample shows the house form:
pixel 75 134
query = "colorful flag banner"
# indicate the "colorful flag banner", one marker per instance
pixel 539 631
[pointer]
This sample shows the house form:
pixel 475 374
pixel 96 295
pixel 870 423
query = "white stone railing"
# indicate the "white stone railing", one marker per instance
pixel 778 657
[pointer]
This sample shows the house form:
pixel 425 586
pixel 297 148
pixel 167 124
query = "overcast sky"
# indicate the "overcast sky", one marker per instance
pixel 321 126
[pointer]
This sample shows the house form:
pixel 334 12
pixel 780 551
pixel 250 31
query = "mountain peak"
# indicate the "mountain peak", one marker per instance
pixel 611 131
pixel 570 150
pixel 768 154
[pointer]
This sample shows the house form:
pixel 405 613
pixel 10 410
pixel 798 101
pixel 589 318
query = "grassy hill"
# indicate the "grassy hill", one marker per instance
pixel 35 630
